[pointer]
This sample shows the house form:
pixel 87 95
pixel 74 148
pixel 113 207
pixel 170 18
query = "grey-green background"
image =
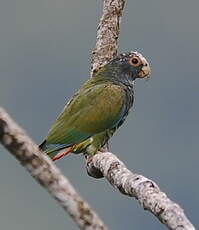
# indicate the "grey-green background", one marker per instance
pixel 45 48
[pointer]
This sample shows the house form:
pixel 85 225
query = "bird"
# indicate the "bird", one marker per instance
pixel 98 109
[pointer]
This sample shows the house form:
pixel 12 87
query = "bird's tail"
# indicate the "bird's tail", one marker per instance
pixel 42 146
pixel 55 151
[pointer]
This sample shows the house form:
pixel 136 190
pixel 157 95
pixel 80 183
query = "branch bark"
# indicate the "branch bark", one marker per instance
pixel 47 174
pixel 102 164
pixel 146 191
pixel 38 164
pixel 107 164
pixel 107 34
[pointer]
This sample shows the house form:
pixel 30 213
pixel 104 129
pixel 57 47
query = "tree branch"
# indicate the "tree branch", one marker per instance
pixel 146 191
pixel 47 174
pixel 107 164
pixel 107 34
pixel 38 164
pixel 102 164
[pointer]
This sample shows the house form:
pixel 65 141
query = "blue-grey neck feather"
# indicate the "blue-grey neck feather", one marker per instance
pixel 120 73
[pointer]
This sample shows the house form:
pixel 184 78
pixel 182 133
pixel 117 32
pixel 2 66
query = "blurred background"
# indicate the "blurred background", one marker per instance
pixel 45 57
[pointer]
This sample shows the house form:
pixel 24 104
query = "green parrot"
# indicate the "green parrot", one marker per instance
pixel 98 109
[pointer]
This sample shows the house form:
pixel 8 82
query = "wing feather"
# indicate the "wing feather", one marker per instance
pixel 91 111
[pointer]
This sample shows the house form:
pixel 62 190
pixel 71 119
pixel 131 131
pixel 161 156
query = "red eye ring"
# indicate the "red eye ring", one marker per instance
pixel 135 61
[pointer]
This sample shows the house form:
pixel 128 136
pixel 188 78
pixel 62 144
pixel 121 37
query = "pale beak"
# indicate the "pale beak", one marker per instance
pixel 145 71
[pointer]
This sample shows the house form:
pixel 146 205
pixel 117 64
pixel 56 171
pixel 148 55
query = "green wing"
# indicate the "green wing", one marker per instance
pixel 91 111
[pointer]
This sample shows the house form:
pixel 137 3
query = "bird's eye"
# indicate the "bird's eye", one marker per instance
pixel 135 61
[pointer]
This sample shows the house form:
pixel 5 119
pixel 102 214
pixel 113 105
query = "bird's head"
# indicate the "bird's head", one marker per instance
pixel 130 66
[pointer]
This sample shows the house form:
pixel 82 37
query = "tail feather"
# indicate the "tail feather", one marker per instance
pixel 54 151
pixel 42 146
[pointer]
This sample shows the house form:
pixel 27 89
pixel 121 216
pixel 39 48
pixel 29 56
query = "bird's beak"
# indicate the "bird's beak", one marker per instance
pixel 145 71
